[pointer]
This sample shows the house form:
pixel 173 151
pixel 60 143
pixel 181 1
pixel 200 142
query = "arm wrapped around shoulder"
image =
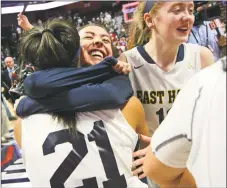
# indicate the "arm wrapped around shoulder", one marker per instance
pixel 47 82
pixel 110 94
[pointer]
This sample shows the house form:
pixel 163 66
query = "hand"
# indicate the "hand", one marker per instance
pixel 17 102
pixel 24 22
pixel 137 165
pixel 123 67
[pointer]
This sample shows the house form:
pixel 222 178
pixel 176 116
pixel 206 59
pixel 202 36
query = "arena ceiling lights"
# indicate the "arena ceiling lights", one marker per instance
pixel 35 7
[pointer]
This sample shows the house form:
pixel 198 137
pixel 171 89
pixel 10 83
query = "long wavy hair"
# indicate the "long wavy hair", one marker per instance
pixel 139 32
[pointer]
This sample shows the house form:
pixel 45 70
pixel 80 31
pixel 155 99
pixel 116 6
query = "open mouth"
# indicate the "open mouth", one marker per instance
pixel 97 53
pixel 183 29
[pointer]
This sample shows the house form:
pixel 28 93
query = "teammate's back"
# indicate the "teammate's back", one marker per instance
pixel 207 159
pixel 99 155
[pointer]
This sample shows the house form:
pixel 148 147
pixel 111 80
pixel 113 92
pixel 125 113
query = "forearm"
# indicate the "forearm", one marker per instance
pixel 185 180
pixel 49 82
pixel 89 97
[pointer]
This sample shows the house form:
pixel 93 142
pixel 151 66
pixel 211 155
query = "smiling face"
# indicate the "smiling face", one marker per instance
pixel 95 45
pixel 174 21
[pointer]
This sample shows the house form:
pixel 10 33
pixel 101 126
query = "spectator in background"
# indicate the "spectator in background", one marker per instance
pixel 8 76
pixel 203 34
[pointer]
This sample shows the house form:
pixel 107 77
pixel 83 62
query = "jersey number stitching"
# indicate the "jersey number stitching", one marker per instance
pixel 70 163
pixel 160 114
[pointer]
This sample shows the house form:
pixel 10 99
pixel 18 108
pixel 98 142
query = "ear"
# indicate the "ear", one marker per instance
pixel 148 20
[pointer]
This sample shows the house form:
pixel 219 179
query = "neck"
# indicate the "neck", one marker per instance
pixel 162 52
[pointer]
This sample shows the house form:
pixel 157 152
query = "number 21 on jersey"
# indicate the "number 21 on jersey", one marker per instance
pixel 99 135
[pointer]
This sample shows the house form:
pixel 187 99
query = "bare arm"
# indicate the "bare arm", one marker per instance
pixel 206 57
pixel 24 22
pixel 18 131
pixel 135 115
pixel 164 175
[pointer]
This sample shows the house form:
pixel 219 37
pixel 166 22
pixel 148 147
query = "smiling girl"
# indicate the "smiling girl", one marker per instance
pixel 162 61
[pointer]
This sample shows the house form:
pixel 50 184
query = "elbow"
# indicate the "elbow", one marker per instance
pixel 34 88
pixel 117 98
pixel 30 87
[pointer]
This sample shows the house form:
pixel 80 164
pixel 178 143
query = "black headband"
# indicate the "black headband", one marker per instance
pixel 149 4
pixel 47 30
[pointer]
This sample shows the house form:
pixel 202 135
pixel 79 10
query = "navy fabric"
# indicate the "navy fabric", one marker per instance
pixel 48 82
pixel 148 58
pixel 86 89
pixel 148 6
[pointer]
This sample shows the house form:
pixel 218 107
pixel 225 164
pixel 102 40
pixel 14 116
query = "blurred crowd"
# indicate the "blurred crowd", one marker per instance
pixel 113 21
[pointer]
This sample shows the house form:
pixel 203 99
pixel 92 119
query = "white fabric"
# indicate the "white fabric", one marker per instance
pixel 152 83
pixel 40 168
pixel 193 134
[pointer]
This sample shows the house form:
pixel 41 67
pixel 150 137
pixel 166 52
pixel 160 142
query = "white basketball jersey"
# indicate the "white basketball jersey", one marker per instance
pixel 100 155
pixel 195 129
pixel 156 88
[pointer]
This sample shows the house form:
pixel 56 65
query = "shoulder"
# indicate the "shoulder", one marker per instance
pixel 134 104
pixel 206 57
pixel 205 77
pixel 212 72
pixel 5 71
pixel 133 110
pixel 127 54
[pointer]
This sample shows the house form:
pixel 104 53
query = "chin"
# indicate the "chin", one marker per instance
pixel 97 61
pixel 182 39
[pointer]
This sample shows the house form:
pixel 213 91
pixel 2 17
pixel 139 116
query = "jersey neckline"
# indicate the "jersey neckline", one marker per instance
pixel 148 58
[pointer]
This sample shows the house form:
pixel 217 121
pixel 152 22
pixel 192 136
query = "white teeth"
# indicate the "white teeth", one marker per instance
pixel 97 53
pixel 184 28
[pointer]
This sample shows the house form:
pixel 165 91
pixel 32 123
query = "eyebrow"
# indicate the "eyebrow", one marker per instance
pixel 90 32
pixel 181 4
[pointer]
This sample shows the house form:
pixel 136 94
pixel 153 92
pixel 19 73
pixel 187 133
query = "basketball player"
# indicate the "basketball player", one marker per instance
pixel 90 149
pixel 162 61
pixel 105 94
pixel 192 134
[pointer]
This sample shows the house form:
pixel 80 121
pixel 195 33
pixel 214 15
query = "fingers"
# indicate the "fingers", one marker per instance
pixel 138 162
pixel 123 67
pixel 140 153
pixel 137 171
pixel 22 19
pixel 141 176
pixel 146 139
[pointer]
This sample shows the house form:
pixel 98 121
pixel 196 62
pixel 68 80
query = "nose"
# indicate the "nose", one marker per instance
pixel 98 41
pixel 187 16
